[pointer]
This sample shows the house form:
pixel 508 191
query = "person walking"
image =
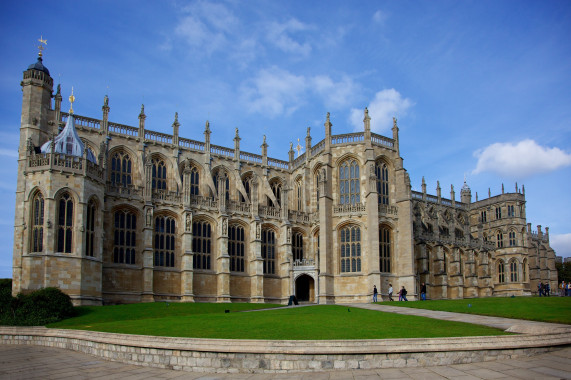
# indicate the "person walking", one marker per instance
pixel 403 293
pixel 391 292
pixel 375 293
pixel 423 292
pixel 562 289
pixel 547 289
pixel 540 288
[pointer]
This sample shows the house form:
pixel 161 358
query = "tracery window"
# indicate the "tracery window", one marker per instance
pixel 165 230
pixel 498 212
pixel 90 229
pixel 512 238
pixel 201 244
pixel 269 250
pixel 297 246
pixel 37 225
pixel 382 173
pixel 65 223
pixel 194 181
pixel 317 191
pixel 511 211
pixel 236 248
pixel 513 270
pixel 385 249
pixel 159 174
pixel 121 169
pixel 349 183
pixel 500 239
pixel 350 249
pixel 277 190
pixel 299 195
pixel 501 272
pixel 124 237
pixel 223 177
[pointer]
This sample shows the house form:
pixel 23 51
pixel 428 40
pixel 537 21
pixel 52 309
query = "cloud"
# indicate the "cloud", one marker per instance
pixel 379 17
pixel 8 152
pixel 387 104
pixel 274 92
pixel 520 160
pixel 335 94
pixel 280 34
pixel 561 243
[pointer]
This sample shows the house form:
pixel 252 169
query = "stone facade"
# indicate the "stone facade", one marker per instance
pixel 162 217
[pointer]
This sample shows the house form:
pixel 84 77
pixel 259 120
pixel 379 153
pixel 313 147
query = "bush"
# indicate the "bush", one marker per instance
pixel 38 308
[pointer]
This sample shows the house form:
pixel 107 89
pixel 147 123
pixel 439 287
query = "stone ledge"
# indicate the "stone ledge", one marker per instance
pixel 260 356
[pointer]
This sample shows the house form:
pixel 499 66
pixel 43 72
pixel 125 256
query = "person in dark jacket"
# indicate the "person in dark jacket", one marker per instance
pixel 403 293
pixel 423 292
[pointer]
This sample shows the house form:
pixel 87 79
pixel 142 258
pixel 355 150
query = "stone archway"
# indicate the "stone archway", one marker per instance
pixel 305 288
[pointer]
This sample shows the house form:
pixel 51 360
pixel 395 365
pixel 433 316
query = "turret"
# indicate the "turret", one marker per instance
pixel 466 193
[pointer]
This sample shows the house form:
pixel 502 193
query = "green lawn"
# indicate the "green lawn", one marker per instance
pixel 545 309
pixel 313 322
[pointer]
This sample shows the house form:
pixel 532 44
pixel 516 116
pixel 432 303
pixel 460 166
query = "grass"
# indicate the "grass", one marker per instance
pixel 544 309
pixel 201 320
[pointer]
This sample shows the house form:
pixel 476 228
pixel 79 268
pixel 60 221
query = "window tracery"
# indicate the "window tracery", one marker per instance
pixel 37 224
pixel 124 237
pixel 349 182
pixel 201 244
pixel 65 223
pixel 350 249
pixel 165 233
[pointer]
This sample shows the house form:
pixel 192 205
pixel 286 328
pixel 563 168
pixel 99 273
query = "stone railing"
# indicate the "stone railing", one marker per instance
pixel 299 161
pixel 382 140
pixel 203 202
pixel 124 191
pixel 123 129
pixel 318 148
pixel 64 163
pixel 536 236
pixel 298 216
pixel 191 144
pixel 240 207
pixel 388 210
pixel 158 136
pixel 304 263
pixel 356 208
pixel 250 157
pixel 269 212
pixel 278 163
pixel 221 151
pixel 348 138
pixel 82 121
pixel 167 196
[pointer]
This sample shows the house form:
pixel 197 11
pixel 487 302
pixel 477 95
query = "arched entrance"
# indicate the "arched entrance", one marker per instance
pixel 305 288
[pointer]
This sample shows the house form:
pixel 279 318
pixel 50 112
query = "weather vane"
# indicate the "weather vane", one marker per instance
pixel 40 46
pixel 71 100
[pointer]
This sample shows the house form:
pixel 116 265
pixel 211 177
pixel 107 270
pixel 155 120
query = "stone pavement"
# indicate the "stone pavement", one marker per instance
pixel 34 362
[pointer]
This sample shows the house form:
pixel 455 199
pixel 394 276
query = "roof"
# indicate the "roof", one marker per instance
pixel 39 66
pixel 68 142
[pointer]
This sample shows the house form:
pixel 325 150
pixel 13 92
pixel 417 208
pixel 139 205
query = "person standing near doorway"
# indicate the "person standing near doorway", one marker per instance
pixel 375 293
pixel 423 292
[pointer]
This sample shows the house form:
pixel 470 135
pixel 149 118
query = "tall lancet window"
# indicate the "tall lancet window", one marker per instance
pixel 382 173
pixel 65 223
pixel 194 181
pixel 159 174
pixel 90 229
pixel 349 182
pixel 121 168
pixel 37 225
pixel 269 250
pixel 165 233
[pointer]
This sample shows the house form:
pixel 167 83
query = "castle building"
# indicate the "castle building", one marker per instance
pixel 112 213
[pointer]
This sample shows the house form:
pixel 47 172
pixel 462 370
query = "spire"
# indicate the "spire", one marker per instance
pixel 367 121
pixel 71 100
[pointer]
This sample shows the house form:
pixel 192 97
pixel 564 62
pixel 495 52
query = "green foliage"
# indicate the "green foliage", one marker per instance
pixel 545 309
pixel 5 283
pixel 38 308
pixel 312 322
pixel 563 272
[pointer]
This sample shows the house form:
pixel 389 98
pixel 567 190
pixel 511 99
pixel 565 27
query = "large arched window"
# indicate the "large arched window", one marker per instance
pixel 223 177
pixel 90 229
pixel 350 249
pixel 269 250
pixel 384 249
pixel 299 195
pixel 236 248
pixel 501 272
pixel 297 246
pixel 124 237
pixel 159 174
pixel 277 190
pixel 65 223
pixel 382 173
pixel 201 244
pixel 500 239
pixel 349 182
pixel 317 191
pixel 165 233
pixel 37 225
pixel 121 169
pixel 194 181
pixel 512 239
pixel 513 270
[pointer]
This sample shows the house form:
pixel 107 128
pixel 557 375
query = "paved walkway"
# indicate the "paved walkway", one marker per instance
pixel 34 362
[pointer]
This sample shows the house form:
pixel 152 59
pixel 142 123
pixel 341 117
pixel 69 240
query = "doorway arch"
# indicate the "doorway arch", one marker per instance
pixel 305 288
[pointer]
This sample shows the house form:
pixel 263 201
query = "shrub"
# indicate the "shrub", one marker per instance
pixel 40 307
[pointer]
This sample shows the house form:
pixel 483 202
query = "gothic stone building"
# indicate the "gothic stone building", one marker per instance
pixel 111 213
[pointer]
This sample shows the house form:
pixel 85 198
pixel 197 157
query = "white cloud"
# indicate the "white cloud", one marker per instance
pixel 9 152
pixel 520 160
pixel 379 17
pixel 387 104
pixel 281 35
pixel 335 94
pixel 274 92
pixel 561 243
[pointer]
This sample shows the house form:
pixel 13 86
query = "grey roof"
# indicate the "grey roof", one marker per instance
pixel 39 66
pixel 68 142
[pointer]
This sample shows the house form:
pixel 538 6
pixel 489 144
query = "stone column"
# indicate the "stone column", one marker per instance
pixel 223 261
pixel 326 254
pixel 148 262
pixel 256 265
pixel 186 264
pixel 285 260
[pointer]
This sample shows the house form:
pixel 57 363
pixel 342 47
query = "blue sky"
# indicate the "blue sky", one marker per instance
pixel 481 88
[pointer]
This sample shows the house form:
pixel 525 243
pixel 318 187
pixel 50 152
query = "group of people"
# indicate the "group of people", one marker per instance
pixel 402 293
pixel 543 289
pixel 565 289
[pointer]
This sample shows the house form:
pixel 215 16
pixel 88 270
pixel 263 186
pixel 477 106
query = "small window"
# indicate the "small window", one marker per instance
pixel 501 272
pixel 483 216
pixel 511 211
pixel 513 270
pixel 500 240
pixel 498 212
pixel 512 239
